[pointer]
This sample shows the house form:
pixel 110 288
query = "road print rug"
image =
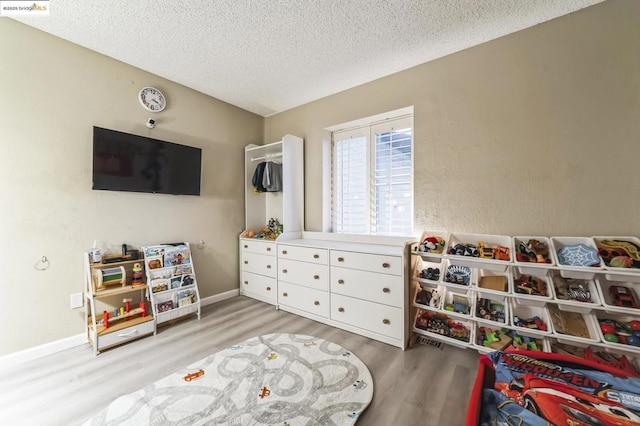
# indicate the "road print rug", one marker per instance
pixel 276 379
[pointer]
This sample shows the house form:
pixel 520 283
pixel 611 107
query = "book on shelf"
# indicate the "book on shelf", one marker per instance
pixel 159 285
pixel 165 306
pixel 178 255
pixel 186 297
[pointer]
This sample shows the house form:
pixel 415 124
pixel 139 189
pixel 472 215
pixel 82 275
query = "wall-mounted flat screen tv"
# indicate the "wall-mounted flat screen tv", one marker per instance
pixel 126 162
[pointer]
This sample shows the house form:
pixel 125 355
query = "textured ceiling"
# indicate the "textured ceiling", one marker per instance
pixel 268 56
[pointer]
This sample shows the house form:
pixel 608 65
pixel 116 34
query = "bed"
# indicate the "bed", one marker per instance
pixel 538 388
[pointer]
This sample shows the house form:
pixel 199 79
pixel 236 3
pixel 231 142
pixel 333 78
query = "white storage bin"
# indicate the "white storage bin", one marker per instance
pixel 438 252
pixel 528 312
pixel 573 305
pixel 488 279
pixel 490 241
pixel 631 274
pixel 590 322
pixel 636 251
pixel 572 271
pixel 457 299
pixel 541 343
pixel 431 305
pixel 532 267
pixel 421 323
pixel 622 318
pixel 606 297
pixel 480 303
pixel 422 265
pixel 462 276
pixel 532 299
pixel 572 348
pixel 623 276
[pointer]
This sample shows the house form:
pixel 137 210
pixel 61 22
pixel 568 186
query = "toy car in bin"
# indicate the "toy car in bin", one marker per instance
pixel 622 296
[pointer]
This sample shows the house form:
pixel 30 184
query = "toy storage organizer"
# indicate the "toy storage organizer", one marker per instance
pixel 528 287
pixel 116 306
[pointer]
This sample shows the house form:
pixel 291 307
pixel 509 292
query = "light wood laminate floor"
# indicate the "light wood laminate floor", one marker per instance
pixel 420 386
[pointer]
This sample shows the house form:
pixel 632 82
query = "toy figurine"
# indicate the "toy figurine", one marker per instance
pixel 435 299
pixel 136 274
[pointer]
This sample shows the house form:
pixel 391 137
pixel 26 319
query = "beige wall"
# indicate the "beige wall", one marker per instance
pixel 51 94
pixel 535 133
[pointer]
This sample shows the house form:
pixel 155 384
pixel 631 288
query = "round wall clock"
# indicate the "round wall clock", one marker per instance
pixel 152 99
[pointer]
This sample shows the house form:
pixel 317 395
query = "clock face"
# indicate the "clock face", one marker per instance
pixel 152 99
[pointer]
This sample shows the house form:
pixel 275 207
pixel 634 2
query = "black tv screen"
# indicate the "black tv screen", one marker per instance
pixel 126 162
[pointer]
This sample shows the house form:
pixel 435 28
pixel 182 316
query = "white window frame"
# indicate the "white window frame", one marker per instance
pixel 368 127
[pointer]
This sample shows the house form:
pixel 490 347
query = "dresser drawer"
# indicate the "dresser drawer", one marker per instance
pixel 381 288
pixel 305 254
pixel 259 285
pixel 391 265
pixel 258 264
pixel 305 299
pixel 381 319
pixel 125 334
pixel 303 273
pixel 259 247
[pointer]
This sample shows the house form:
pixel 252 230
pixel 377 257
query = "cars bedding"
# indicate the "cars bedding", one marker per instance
pixel 523 388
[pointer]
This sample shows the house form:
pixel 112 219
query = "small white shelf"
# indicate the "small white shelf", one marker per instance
pixel 176 273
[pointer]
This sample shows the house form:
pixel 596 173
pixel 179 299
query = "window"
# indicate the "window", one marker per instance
pixel 372 178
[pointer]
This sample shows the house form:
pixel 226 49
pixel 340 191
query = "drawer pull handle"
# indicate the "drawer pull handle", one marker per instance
pixel 246 262
pixel 284 252
pixel 246 246
pixel 284 294
pixel 340 309
pixel 131 333
pixel 246 282
pixel 284 271
pixel 268 288
pixel 268 266
pixel 386 290
pixel 386 321
pixel 316 277
pixel 316 256
pixel 316 303
pixel 268 248
pixel 385 265
pixel 340 281
pixel 341 259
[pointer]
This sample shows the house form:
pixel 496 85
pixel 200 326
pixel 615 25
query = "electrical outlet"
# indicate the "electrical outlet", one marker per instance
pixel 76 300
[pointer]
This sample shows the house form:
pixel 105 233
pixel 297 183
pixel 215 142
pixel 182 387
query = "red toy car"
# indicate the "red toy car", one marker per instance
pixel 563 404
pixel 622 296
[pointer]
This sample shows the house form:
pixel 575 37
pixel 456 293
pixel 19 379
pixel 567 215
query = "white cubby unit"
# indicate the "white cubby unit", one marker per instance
pixel 533 282
pixel 282 204
pixel 171 277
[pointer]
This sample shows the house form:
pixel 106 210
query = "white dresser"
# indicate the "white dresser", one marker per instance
pixel 258 269
pixel 356 283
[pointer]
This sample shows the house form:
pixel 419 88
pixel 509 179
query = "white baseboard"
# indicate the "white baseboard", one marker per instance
pixel 30 354
pixel 12 359
pixel 219 297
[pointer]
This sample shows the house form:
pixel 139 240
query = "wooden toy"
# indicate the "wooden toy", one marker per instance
pixel 136 274
pixel 103 278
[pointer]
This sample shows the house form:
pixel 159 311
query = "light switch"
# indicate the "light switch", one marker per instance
pixel 76 300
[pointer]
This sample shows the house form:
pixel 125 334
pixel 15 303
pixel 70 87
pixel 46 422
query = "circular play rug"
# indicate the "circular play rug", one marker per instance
pixel 276 379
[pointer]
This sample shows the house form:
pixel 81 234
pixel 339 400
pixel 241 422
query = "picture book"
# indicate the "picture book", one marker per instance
pixel 178 255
